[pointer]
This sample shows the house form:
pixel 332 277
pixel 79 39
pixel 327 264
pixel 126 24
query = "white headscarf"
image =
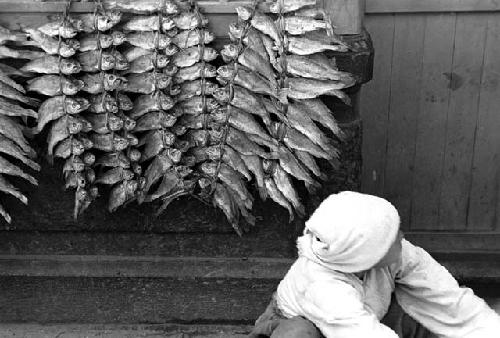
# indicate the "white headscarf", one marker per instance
pixel 355 231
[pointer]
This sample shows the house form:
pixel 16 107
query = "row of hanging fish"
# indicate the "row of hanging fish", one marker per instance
pixel 134 103
pixel 15 111
pixel 275 73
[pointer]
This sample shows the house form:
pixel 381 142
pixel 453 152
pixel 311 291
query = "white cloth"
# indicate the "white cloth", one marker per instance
pixel 350 231
pixel 343 306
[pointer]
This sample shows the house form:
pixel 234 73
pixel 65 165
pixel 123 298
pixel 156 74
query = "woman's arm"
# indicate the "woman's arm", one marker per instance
pixel 430 294
pixel 337 310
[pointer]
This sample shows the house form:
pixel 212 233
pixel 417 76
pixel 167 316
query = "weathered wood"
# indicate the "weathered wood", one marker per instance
pixel 347 15
pixel 123 331
pixel 464 82
pixel 374 105
pixel 404 105
pixel 412 6
pixel 143 266
pixel 132 300
pixel 484 195
pixel 431 120
pixel 253 245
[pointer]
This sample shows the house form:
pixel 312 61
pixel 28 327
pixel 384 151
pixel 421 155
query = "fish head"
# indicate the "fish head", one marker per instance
pixel 66 51
pixel 77 23
pixel 226 72
pixel 110 106
pixel 87 143
pixel 236 30
pixel 115 16
pixel 74 126
pixel 167 24
pixel 73 106
pixel 211 104
pixel 166 102
pixel 104 22
pixel 204 182
pixel 171 8
pixel 136 168
pixel 164 41
pixel 168 120
pixel 106 40
pixel 267 165
pixel 163 80
pixel 76 85
pixel 168 138
pixel 189 160
pixel 89 158
pixel 125 102
pixel 210 70
pixel 81 182
pixel 77 147
pixel 210 87
pixel 179 130
pixel 119 143
pixel 118 37
pixel 244 12
pixel 76 163
pixel 86 125
pixel 107 61
pixel 134 155
pixel 162 61
pixel 132 139
pixel 69 66
pixel 114 122
pixel 218 116
pixel 229 52
pixel 127 174
pixel 170 70
pixel 175 90
pixel 216 135
pixel 209 168
pixel 199 137
pixel 128 123
pixel 222 95
pixel 210 54
pixel 174 154
pixel 171 49
pixel 90 175
pixel 111 79
pixel 73 43
pixel 93 192
pixel 131 187
pixel 184 170
pixel 275 7
pixel 214 152
pixel 209 36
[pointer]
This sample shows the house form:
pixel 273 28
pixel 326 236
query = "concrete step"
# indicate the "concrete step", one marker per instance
pixel 122 331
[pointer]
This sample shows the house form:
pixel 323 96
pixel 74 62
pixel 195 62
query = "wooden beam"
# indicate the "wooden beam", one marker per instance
pixel 412 6
pixel 216 7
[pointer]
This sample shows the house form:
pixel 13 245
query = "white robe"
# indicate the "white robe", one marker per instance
pixel 343 306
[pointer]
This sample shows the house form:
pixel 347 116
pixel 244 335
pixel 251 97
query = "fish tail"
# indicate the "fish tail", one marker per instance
pixel 262 193
pixel 5 214
pixel 312 187
pixel 32 102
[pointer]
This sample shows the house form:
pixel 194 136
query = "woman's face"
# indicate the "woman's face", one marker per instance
pixel 393 255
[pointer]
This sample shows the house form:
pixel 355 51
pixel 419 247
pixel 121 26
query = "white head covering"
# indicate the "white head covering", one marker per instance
pixel 355 232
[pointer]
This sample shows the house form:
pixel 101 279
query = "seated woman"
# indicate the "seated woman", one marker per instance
pixel 352 259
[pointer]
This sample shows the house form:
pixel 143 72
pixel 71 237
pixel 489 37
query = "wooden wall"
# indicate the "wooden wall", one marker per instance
pixel 431 115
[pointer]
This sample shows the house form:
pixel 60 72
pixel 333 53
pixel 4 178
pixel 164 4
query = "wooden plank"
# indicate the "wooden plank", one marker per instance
pixel 464 82
pixel 484 198
pixel 403 109
pixel 431 120
pixel 119 300
pixel 412 6
pixel 347 15
pixel 123 331
pixel 142 266
pixel 374 105
pixel 455 242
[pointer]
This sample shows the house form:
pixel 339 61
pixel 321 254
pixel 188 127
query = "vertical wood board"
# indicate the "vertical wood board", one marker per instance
pixel 464 82
pixel 431 120
pixel 483 205
pixel 374 105
pixel 403 109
